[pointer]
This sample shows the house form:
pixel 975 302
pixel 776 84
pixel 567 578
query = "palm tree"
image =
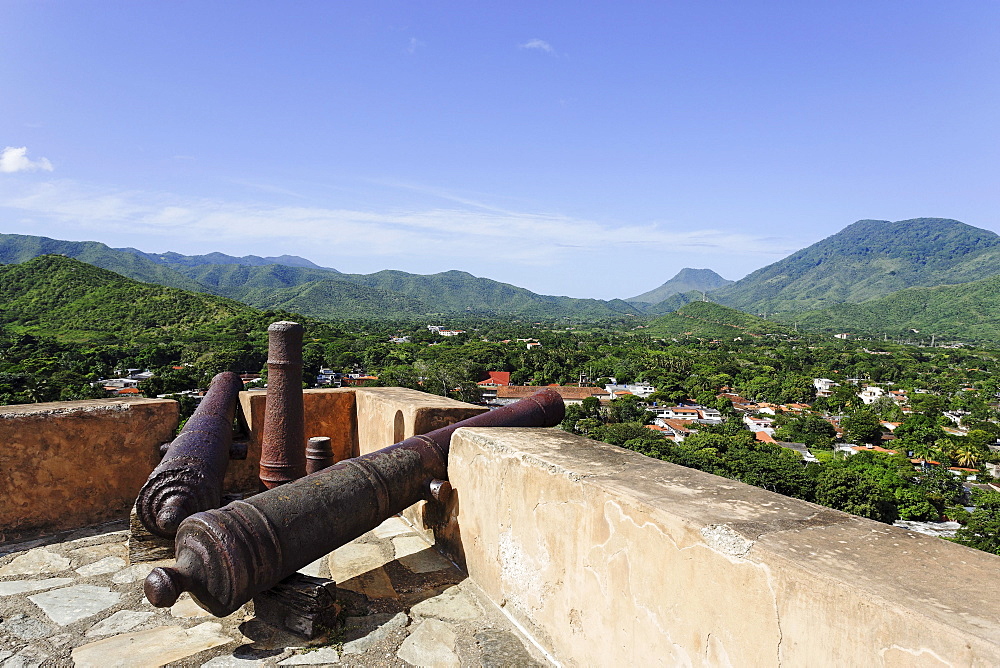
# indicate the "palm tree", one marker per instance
pixel 967 456
pixel 926 451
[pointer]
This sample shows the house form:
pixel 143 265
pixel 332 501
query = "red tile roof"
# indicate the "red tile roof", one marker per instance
pixel 679 426
pixel 496 378
pixel 573 393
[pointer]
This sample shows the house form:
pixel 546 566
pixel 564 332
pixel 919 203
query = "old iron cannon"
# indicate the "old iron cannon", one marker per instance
pixel 190 476
pixel 227 556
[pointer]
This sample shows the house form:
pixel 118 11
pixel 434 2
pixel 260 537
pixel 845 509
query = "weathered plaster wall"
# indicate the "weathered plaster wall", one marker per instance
pixel 328 412
pixel 357 420
pixel 72 463
pixel 387 415
pixel 611 558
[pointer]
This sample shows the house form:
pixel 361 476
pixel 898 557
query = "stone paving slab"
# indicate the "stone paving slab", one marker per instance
pixel 154 647
pixel 71 604
pixel 26 586
pixel 72 600
pixel 119 622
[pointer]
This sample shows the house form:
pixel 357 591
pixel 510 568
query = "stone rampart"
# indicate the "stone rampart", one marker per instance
pixel 604 556
pixel 72 463
pixel 611 558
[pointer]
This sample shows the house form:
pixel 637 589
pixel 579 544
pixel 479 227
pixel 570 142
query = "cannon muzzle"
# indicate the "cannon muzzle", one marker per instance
pixel 190 476
pixel 227 556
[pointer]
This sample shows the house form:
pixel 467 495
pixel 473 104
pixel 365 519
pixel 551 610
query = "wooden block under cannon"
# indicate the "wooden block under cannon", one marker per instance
pixel 301 604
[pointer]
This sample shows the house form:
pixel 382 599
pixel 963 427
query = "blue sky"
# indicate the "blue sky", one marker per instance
pixel 581 148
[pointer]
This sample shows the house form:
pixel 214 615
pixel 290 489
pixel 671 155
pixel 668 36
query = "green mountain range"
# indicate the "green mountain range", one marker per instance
pixel 869 259
pixel 319 292
pixel 16 248
pixel 686 280
pixel 174 259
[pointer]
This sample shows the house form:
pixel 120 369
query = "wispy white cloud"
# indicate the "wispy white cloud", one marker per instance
pixel 538 45
pixel 14 159
pixel 467 230
pixel 414 45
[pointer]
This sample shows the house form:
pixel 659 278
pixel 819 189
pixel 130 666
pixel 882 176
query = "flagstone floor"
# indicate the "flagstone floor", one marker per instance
pixel 73 600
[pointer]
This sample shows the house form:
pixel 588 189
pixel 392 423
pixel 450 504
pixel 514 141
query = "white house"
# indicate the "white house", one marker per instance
pixel 824 386
pixel 871 394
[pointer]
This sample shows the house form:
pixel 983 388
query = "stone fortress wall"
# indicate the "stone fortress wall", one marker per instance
pixel 603 556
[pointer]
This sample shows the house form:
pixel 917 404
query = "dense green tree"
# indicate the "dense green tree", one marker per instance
pixel 982 529
pixel 855 491
pixel 809 429
pixel 628 408
pixel 862 427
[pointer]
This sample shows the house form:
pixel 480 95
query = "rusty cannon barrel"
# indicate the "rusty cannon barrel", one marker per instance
pixel 227 556
pixel 189 478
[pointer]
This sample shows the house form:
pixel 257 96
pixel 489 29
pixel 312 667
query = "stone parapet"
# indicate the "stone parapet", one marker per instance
pixel 72 463
pixel 611 558
pixel 387 415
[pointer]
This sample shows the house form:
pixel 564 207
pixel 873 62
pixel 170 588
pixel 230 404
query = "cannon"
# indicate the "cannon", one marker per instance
pixel 227 556
pixel 190 476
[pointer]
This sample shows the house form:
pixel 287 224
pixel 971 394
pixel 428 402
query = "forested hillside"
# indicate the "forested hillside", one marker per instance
pixel 967 312
pixel 16 248
pixel 869 259
pixel 238 280
pixel 709 320
pixel 70 300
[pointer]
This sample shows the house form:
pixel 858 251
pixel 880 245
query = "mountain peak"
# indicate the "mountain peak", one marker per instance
pixel 685 280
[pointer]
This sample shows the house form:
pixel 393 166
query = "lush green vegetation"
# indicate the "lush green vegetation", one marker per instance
pixel 965 312
pixel 66 299
pixel 707 320
pixel 65 324
pixel 879 486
